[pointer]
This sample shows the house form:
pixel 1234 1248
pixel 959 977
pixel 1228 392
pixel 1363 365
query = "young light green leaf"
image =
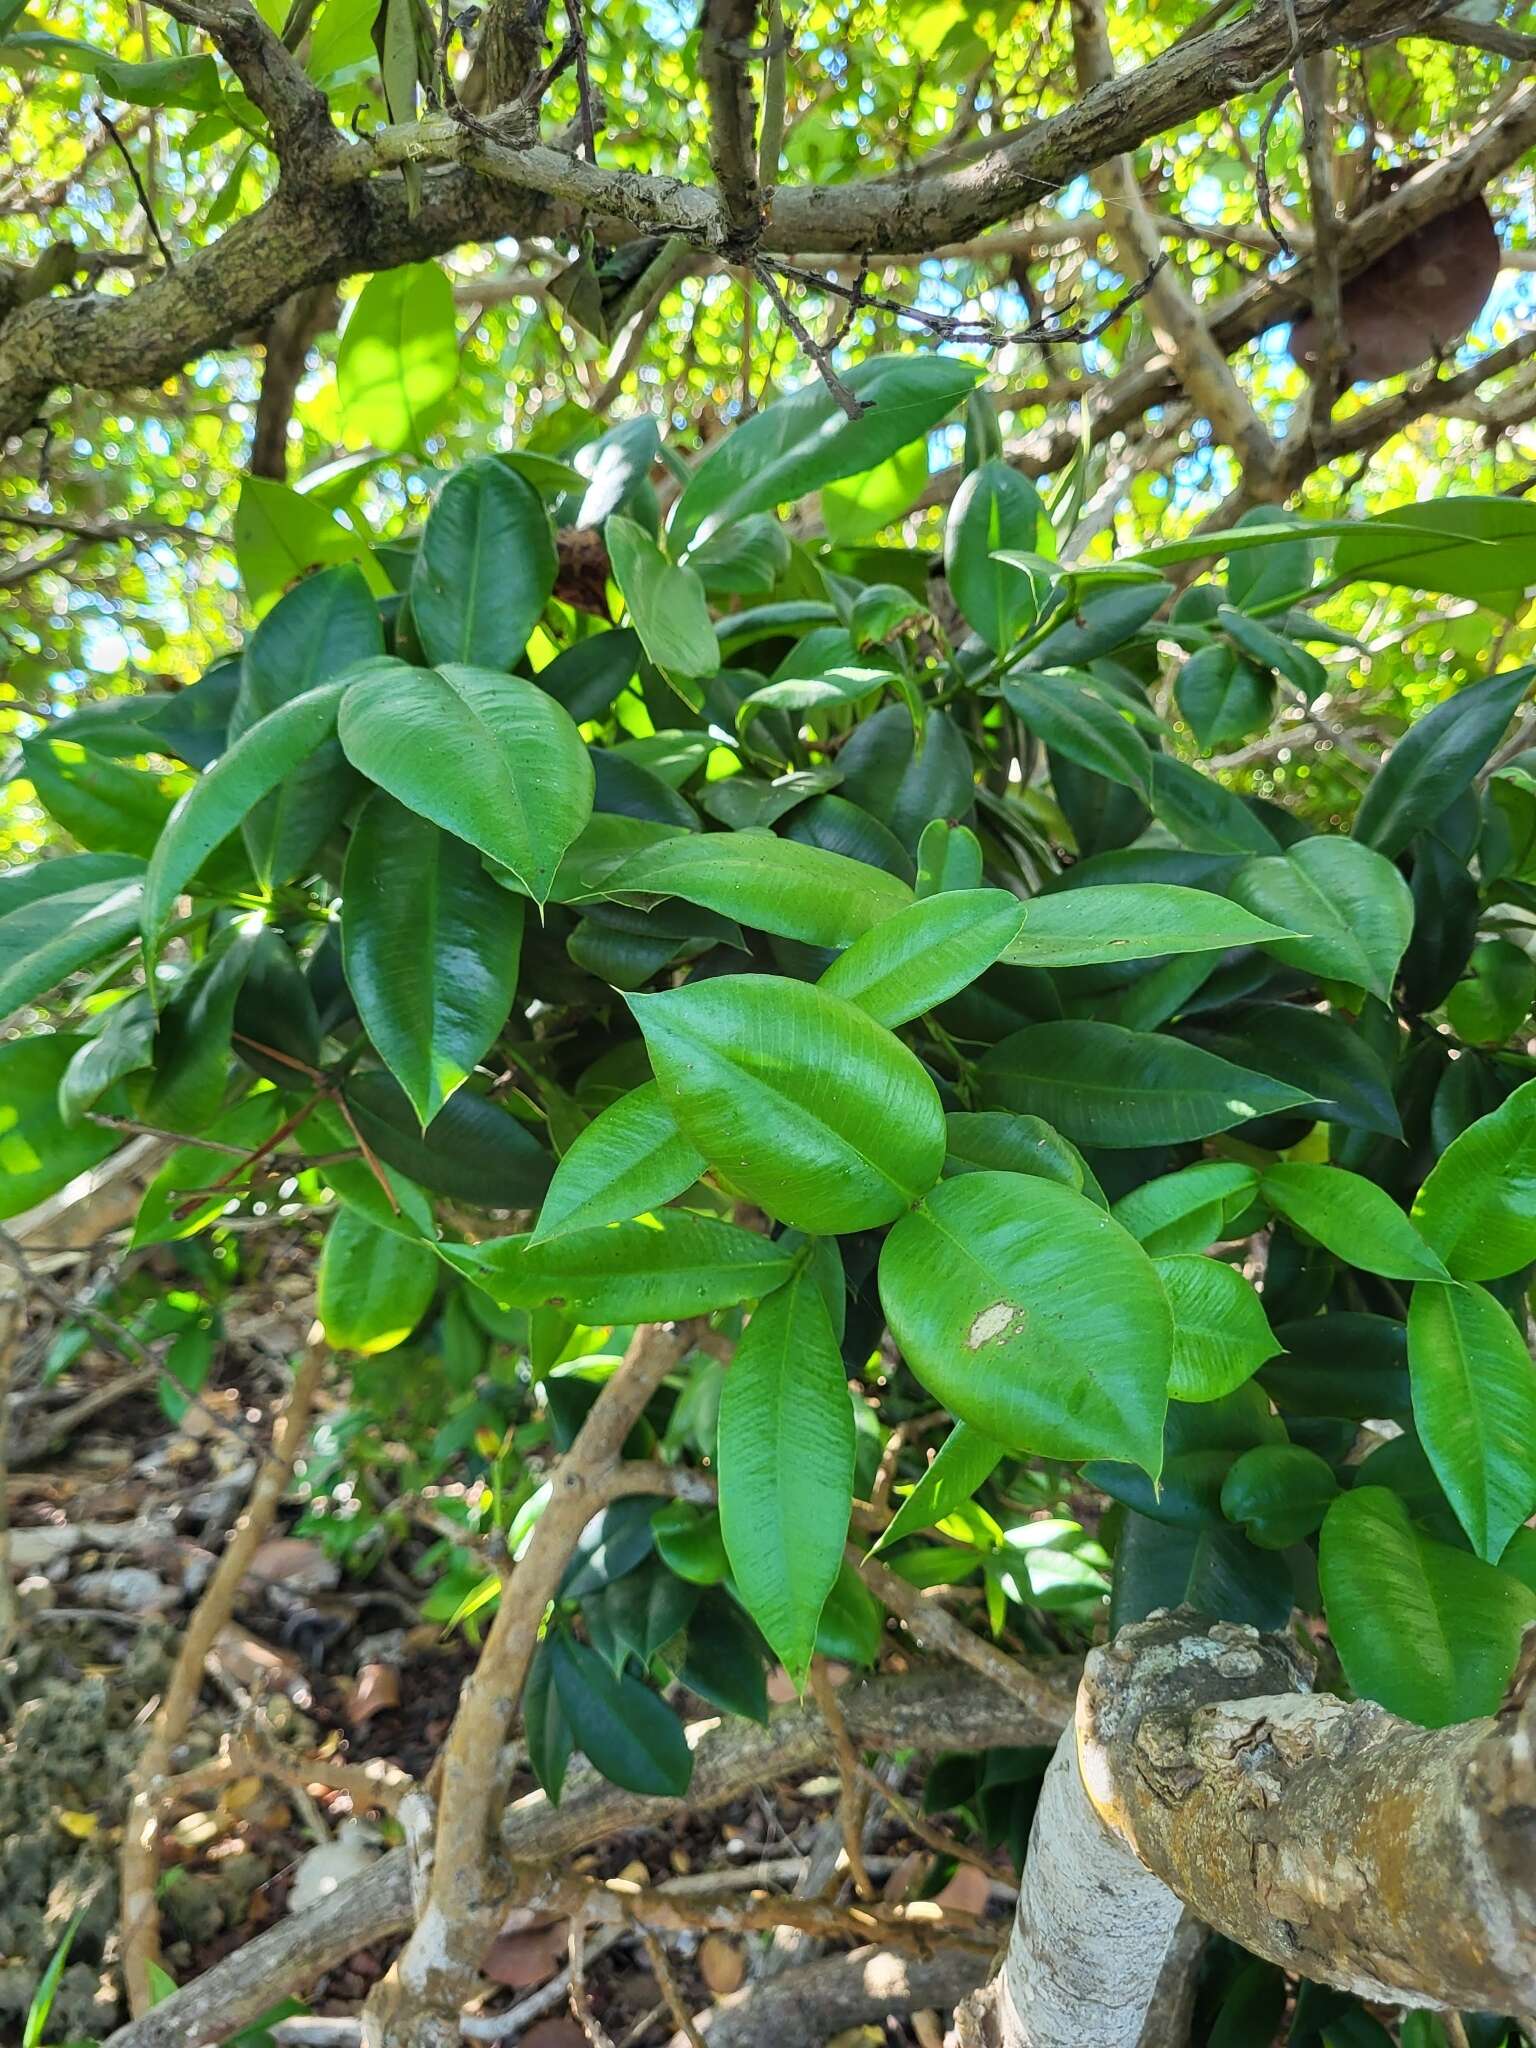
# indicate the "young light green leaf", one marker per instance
pixel 661 1270
pixel 1478 1206
pixel 219 799
pixel 1474 1405
pixel 1221 1335
pixel 1430 1632
pixel 484 570
pixel 374 1286
pixel 1112 921
pixel 398 358
pixel 965 1461
pixel 797 1098
pixel 1103 1085
pixel 1355 910
pixel 1033 1317
pixel 926 953
pixel 430 944
pixel 1354 1218
pixel 630 1159
pixel 775 885
pixel 665 602
pixel 786 1467
pixel 488 757
pixel 39 1153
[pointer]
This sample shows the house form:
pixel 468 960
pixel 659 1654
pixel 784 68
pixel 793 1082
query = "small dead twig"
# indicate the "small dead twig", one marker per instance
pixel 1261 168
pixel 138 185
pixel 581 2005
pixel 578 46
pixel 665 1976
pixel 855 408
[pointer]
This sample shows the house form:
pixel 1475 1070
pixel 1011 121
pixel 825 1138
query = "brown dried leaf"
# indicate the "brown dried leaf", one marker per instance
pixel 721 1964
pixel 527 1957
pixel 377 1689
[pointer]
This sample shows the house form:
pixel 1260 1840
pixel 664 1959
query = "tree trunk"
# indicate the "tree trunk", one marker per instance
pixel 1347 1846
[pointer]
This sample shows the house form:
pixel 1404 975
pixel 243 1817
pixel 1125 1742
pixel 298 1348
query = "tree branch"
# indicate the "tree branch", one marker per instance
pixel 295 108
pixel 724 57
pixel 285 349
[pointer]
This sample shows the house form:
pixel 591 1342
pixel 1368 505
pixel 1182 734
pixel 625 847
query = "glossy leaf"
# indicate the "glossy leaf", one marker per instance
pixel 490 758
pixel 786 1447
pixel 925 953
pixel 1221 1335
pixel 431 949
pixel 1353 907
pixel 775 885
pixel 1103 1085
pixel 798 1099
pixel 1133 921
pixel 666 603
pixel 374 1286
pixel 1033 1317
pixel 965 1461
pixel 1186 1211
pixel 623 1729
pixel 1279 1493
pixel 630 1159
pixel 1430 1632
pixel 1083 724
pixel 484 570
pixel 1356 1220
pixel 675 1266
pixel 1474 1405
pixel 39 1153
pixel 1435 760
pixel 995 507
pixel 398 358
pixel 1478 1206
pixel 52 936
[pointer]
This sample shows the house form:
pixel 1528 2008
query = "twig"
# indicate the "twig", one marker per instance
pixel 1261 167
pixel 850 1806
pixel 578 46
pixel 853 407
pixel 1327 293
pixel 940 1840
pixel 140 1859
pixel 581 2005
pixel 138 185
pixel 770 133
pixel 662 1969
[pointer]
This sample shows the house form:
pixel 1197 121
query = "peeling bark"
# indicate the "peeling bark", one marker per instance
pixel 1395 1862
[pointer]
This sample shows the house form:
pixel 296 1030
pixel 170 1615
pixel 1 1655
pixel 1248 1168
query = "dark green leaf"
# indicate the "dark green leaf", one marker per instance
pixel 484 570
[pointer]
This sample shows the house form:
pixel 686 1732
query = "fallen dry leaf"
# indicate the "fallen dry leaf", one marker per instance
pixel 377 1688
pixel 554 2034
pixel 967 1891
pixel 721 1964
pixel 295 1563
pixel 256 1667
pixel 635 1872
pixel 528 1957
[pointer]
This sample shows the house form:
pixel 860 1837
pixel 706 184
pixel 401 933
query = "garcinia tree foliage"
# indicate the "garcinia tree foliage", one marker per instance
pixel 854 954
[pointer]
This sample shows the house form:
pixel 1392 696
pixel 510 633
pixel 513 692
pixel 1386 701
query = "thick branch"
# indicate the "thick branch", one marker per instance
pixel 724 55
pixel 1352 1848
pixel 285 349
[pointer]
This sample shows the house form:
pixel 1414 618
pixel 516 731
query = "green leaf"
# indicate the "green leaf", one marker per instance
pixel 1103 1085
pixel 473 1150
pixel 1201 814
pixel 1430 1632
pixel 544 1724
pixel 219 799
pixel 786 1467
pixel 1310 1049
pixel 488 757
pixel 279 534
pixel 630 1159
pixel 992 1141
pixel 948 857
pixel 374 1286
pixel 39 1153
pixel 1474 1405
pixel 966 1460
pixel 484 570
pixel 799 1100
pixel 1133 921
pixel 774 885
pixel 995 507
pixel 801 442
pixel 1279 1493
pixel 1186 1211
pixel 1082 723
pixel 192 1044
pixel 1272 650
pixel 1222 697
pixel 1221 1335
pixel 431 949
pixel 624 1730
pixel 861 507
pixel 1495 998
pixel 661 1270
pixel 666 603
pixel 1478 1206
pixel 52 936
pixel 398 359
pixel 101 804
pixel 926 953
pixel 1435 760
pixel 1416 547
pixel 723 1661
pixel 326 627
pixel 1352 1217
pixel 1355 910
pixel 1033 1317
